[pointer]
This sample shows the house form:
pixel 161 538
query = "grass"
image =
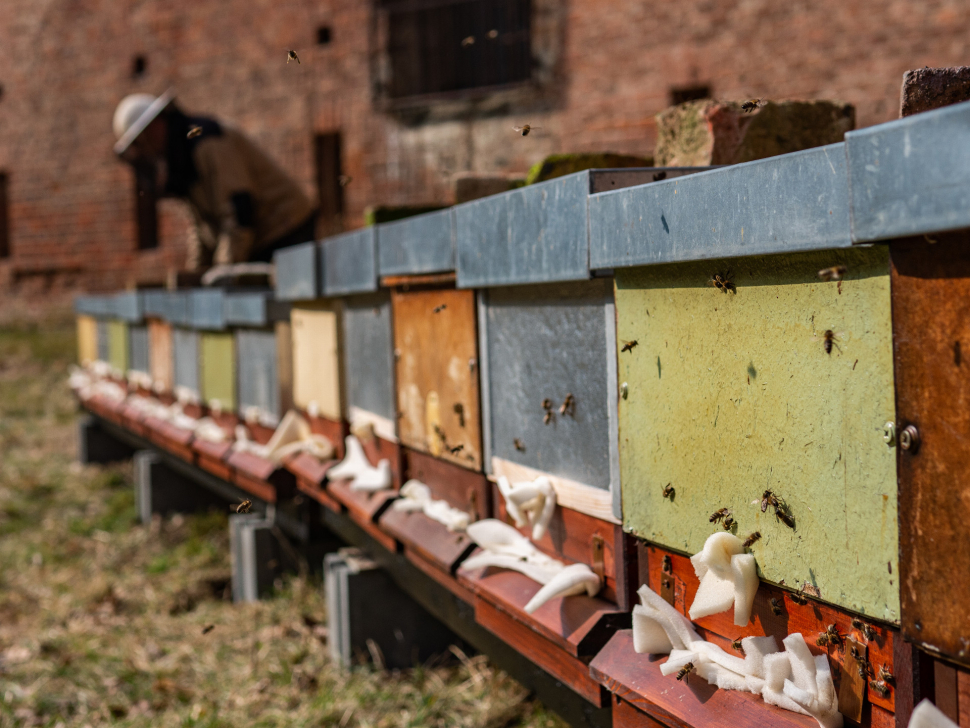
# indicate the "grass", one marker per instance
pixel 101 618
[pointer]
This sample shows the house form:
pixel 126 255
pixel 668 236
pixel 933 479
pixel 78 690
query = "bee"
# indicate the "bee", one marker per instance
pixel 723 283
pixel 468 41
pixel 492 34
pixel 459 409
pixel 879 687
pixel 628 346
pixel 864 667
pixel 768 499
pixel 749 541
pixel 799 599
pixel 658 176
pixel 667 565
pixel 668 491
pixel 439 309
pixel 728 523
pixel 244 506
pixel 775 606
pixel 456 449
pixel 568 405
pixel 834 273
pixel 784 517
pixel 833 632
pixel 291 56
pixel 344 180
pixel 822 639
pixel 867 631
pixel 718 515
pixel 519 445
pixel 685 671
pixel 751 104
pixel 524 130
pixel 885 675
pixel 547 417
pixel 208 628
pixel 736 644
pixel 194 131
pixel 829 337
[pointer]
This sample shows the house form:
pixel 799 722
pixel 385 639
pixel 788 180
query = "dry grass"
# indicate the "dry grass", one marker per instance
pixel 101 619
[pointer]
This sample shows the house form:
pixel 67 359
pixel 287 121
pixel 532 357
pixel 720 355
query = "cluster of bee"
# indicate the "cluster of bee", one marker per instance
pixel 781 510
pixel 439 309
pixel 866 629
pixel 568 407
pixel 724 517
pixel 547 406
pixel 830 636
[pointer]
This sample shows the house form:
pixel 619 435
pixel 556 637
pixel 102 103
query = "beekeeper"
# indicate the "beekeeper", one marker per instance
pixel 244 205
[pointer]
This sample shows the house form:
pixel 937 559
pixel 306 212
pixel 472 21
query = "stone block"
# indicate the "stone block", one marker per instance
pixel 931 88
pixel 706 132
pixel 559 165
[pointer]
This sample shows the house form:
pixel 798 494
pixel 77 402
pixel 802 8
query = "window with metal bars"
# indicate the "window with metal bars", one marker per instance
pixel 441 46
pixel 330 181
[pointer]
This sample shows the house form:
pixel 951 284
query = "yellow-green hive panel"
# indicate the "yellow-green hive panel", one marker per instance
pixel 118 345
pixel 727 394
pixel 218 369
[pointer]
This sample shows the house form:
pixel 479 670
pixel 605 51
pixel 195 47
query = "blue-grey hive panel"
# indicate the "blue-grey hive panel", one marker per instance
pixel 185 345
pixel 129 306
pixel 255 308
pixel 104 351
pixel 534 234
pixel 349 262
pixel 297 272
pixel 911 176
pixel 138 353
pixel 417 245
pixel 207 309
pixel 546 343
pixel 256 371
pixel 98 306
pixel 788 203
pixel 368 353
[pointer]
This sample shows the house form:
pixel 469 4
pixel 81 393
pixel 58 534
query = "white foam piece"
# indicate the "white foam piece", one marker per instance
pixel 356 467
pixel 570 581
pixel 778 698
pixel 416 496
pixel 802 697
pixel 827 696
pixel 727 577
pixel 745 576
pixel 802 662
pixel 777 670
pixel 504 547
pixel 532 502
pixel 754 684
pixel 716 655
pixel 755 650
pixel 648 635
pixel 677 659
pixel 676 625
pixel 927 715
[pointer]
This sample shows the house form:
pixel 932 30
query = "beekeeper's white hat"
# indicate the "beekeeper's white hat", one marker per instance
pixel 134 113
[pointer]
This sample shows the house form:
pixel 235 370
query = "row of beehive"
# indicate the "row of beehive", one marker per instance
pixel 771 379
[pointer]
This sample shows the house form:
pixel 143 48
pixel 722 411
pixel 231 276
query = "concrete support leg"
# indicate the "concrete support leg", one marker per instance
pixel 95 445
pixel 256 555
pixel 159 489
pixel 370 617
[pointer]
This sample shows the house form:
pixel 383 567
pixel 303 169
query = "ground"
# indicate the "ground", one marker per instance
pixel 101 618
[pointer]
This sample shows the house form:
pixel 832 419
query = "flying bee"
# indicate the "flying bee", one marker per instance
pixel 439 309
pixel 244 506
pixel 751 104
pixel 468 41
pixel 568 405
pixel 775 606
pixel 628 346
pixel 685 671
pixel 291 56
pixel 885 675
pixel 736 644
pixel 749 541
pixel 668 490
pixel 519 445
pixel 194 131
pixel 728 523
pixel 492 34
pixel 525 129
pixel 456 449
pixel 208 628
pixel 834 273
pixel 344 180
pixel 718 515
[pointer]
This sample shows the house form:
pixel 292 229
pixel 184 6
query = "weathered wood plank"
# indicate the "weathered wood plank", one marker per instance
pixel 463 489
pixel 931 335
pixel 430 539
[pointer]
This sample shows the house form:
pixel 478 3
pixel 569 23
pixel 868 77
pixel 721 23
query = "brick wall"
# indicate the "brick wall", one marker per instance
pixel 610 63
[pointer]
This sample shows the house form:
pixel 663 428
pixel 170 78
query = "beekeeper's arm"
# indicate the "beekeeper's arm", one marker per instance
pixel 229 187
